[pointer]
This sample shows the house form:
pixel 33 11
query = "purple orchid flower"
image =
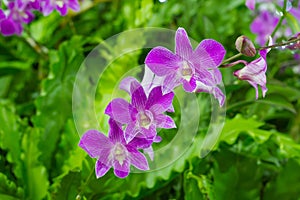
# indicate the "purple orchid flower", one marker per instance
pixel 187 66
pixel 263 25
pixel 255 72
pixel 144 114
pixel 113 151
pixel 60 5
pixel 12 23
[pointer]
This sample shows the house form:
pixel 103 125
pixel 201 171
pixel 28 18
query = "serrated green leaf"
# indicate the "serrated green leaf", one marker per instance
pixel 10 136
pixel 233 127
pixel 54 107
pixel 8 189
pixel 197 187
pixel 34 173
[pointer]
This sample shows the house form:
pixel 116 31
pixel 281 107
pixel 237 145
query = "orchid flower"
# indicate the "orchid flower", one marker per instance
pixel 255 72
pixel 188 67
pixel 144 114
pixel 12 22
pixel 113 151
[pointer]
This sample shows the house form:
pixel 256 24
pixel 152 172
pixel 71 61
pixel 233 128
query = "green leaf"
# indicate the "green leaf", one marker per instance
pixel 286 185
pixel 289 93
pixel 240 178
pixel 197 187
pixel 8 189
pixel 233 127
pixel 54 106
pixel 278 102
pixel 34 173
pixel 44 28
pixel 10 136
pixel 69 186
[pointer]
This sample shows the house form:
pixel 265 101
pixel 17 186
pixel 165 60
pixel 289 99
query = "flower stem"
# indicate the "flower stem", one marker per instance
pixel 289 42
pixel 231 58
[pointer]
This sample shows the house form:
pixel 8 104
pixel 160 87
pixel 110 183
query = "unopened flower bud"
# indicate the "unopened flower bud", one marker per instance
pixel 245 46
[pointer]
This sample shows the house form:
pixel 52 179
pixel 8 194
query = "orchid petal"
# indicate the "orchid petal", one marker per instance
pixel 115 132
pixel 214 90
pixel 250 4
pixel 157 139
pixel 74 5
pixel 189 86
pixel 121 170
pixel 131 131
pixel 150 152
pixel 94 142
pixel 183 46
pixel 127 83
pixel 162 61
pixel 165 121
pixel 209 54
pixel 120 110
pixel 137 159
pixel 149 133
pixel 101 169
pixel 170 82
pixel 140 142
pixel 162 102
pixel 62 10
pixel 139 98
pixel 171 109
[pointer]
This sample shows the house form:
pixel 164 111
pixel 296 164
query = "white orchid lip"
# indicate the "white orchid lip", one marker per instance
pixel 145 118
pixel 186 70
pixel 118 153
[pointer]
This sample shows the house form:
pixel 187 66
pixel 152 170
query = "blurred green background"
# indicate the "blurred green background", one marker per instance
pixel 256 157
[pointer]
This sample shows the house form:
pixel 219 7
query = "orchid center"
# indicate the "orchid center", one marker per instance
pixel 119 153
pixel 145 119
pixel 60 3
pixel 186 71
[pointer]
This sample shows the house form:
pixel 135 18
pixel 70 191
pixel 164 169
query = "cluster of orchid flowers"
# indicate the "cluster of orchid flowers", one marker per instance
pixel 15 13
pixel 133 125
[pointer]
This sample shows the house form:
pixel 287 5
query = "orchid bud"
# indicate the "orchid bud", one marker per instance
pixel 245 46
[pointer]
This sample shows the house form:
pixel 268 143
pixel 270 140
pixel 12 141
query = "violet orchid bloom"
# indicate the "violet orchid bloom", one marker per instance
pixel 12 23
pixel 144 114
pixel 60 5
pixel 188 66
pixel 263 25
pixel 113 151
pixel 255 72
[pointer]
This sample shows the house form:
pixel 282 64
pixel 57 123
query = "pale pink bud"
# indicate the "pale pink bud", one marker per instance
pixel 245 46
